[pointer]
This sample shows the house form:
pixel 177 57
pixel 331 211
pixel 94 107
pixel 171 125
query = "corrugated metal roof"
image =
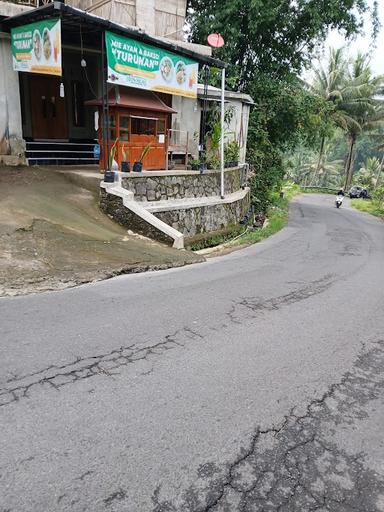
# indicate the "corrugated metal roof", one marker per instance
pixel 92 27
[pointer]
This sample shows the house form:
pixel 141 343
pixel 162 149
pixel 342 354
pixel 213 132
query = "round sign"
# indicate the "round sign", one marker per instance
pixel 215 40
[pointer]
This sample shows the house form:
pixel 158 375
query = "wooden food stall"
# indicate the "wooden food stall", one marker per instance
pixel 138 122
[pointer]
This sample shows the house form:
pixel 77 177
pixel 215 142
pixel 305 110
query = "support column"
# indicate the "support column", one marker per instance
pixel 222 134
pixel 105 105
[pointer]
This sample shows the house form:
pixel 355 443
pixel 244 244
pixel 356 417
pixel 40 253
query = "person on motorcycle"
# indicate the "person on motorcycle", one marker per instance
pixel 340 192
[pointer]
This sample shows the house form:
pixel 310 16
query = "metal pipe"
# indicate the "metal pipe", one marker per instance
pixel 103 107
pixel 222 134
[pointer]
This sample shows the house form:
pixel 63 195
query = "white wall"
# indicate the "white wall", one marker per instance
pixel 189 114
pixel 187 119
pixel 238 128
pixel 11 137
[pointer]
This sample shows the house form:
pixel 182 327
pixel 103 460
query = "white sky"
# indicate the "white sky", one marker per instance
pixel 362 43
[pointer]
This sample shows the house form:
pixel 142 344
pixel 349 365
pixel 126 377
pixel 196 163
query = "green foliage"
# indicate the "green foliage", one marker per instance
pixel 354 95
pixel 367 145
pixel 303 164
pixel 112 153
pixel 270 35
pixel 368 174
pixel 287 115
pixel 232 151
pixel 145 152
pixel 378 196
pixel 277 215
pixel 375 208
pixel 268 42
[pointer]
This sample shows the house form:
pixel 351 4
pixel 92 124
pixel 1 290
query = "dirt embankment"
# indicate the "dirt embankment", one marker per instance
pixel 53 235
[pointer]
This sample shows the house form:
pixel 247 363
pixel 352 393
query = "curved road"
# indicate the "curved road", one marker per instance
pixel 252 382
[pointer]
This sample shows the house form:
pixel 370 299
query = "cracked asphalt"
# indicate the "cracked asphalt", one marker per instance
pixel 251 382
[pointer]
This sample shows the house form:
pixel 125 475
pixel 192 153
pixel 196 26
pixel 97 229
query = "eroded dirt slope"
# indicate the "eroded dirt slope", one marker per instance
pixel 53 235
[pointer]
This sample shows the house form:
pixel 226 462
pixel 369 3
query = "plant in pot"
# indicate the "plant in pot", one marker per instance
pixel 233 150
pixel 109 174
pixel 124 162
pixel 138 165
pixel 194 163
pixel 213 162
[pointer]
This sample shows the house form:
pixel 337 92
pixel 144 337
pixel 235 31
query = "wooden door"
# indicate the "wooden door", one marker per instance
pixel 48 110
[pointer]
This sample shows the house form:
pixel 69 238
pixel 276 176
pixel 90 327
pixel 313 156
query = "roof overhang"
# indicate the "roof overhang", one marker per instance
pixel 93 26
pixel 134 99
pixel 214 94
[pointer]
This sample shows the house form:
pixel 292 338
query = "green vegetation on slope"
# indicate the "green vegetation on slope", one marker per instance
pixel 277 216
pixel 369 206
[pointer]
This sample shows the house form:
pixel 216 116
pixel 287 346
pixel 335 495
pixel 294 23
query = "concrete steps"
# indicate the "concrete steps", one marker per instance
pixel 60 152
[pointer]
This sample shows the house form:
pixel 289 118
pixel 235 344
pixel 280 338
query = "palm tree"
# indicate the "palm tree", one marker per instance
pixel 296 164
pixel 302 164
pixel 361 108
pixel 368 174
pixel 355 96
pixel 329 83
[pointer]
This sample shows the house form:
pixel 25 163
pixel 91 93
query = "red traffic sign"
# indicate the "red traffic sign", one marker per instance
pixel 215 40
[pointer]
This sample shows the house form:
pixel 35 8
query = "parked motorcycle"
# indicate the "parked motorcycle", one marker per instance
pixel 339 201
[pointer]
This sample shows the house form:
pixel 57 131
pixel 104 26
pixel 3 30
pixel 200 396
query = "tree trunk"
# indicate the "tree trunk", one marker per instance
pixel 349 162
pixel 379 173
pixel 315 174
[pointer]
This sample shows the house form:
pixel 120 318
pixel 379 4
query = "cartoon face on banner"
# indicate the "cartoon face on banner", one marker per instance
pixel 140 65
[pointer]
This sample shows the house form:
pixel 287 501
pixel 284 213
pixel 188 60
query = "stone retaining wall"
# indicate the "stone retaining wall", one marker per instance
pixel 155 186
pixel 203 219
pixel 190 218
pixel 113 206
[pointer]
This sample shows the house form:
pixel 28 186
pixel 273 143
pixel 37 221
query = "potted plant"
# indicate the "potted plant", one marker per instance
pixel 124 162
pixel 195 162
pixel 202 167
pixel 213 162
pixel 138 165
pixel 233 153
pixel 109 174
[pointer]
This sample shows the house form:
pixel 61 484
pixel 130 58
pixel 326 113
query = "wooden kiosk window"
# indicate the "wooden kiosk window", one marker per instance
pixel 112 127
pixel 124 127
pixel 143 125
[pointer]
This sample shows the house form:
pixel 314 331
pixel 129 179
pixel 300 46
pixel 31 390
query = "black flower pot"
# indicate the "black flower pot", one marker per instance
pixel 125 167
pixel 195 167
pixel 137 167
pixel 109 176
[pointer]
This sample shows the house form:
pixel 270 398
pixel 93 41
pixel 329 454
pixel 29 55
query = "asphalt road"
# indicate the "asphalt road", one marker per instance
pixel 252 382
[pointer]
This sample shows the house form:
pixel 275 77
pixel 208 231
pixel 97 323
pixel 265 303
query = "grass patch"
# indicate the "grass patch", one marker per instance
pixel 369 206
pixel 277 216
pixel 319 190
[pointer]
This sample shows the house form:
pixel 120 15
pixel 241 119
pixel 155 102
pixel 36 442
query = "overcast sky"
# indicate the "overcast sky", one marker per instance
pixel 362 43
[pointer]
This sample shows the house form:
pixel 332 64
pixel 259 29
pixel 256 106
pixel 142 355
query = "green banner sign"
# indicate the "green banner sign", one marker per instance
pixel 140 65
pixel 36 48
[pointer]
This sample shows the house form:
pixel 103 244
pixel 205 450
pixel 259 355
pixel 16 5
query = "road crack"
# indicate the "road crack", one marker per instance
pixel 57 376
pixel 297 466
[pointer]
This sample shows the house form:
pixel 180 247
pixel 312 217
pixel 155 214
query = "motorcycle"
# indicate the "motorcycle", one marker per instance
pixel 339 201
